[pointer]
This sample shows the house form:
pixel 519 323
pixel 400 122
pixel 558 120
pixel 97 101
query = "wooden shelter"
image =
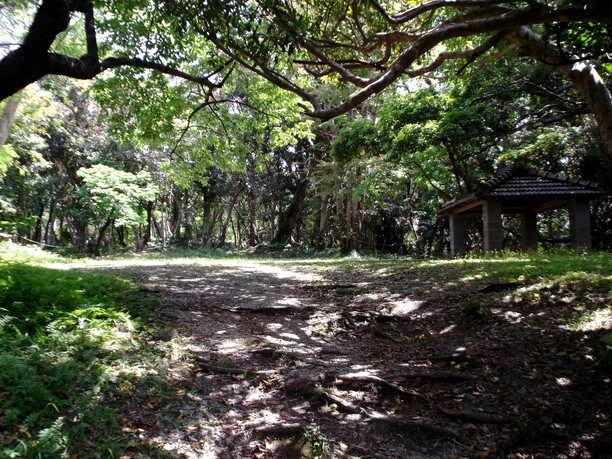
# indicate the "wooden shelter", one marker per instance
pixel 517 190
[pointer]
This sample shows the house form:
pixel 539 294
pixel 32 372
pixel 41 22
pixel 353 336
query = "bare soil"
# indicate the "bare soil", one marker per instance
pixel 302 359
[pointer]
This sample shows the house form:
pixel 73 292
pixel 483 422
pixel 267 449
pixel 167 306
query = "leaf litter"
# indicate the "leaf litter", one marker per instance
pixel 304 359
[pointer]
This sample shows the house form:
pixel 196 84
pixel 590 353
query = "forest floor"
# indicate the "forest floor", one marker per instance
pixel 373 359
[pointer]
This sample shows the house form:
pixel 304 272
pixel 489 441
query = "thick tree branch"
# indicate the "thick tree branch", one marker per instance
pixel 417 11
pixel 90 34
pixel 583 75
pixel 6 120
pixel 33 59
pixel 114 62
pixel 508 21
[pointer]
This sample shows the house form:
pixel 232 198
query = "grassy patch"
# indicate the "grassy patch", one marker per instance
pixel 65 337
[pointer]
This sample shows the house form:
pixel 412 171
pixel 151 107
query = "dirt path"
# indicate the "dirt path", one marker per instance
pixel 304 360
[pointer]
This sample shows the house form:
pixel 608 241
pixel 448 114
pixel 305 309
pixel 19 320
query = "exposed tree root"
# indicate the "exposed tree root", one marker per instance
pixel 391 318
pixel 279 430
pixel 342 404
pixel 376 331
pixel 311 386
pixel 371 379
pixel 281 309
pixel 333 351
pixel 500 287
pixel 457 357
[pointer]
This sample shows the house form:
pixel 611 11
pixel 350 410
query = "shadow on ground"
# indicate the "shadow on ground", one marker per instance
pixel 306 360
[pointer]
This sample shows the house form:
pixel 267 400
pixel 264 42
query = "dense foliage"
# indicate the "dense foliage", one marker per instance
pixel 60 334
pixel 155 154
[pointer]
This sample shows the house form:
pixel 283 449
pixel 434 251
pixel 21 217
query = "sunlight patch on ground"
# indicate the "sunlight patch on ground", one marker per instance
pixel 404 307
pixel 372 296
pixel 473 277
pixel 507 259
pixel 231 346
pixel 281 273
pixel 290 336
pixel 256 394
pixel 517 296
pixel 264 417
pixel 274 326
pixel 279 341
pixel 513 317
pixel 563 381
pixel 289 301
pixel 595 320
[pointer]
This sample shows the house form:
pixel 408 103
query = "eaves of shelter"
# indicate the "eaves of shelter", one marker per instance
pixel 520 185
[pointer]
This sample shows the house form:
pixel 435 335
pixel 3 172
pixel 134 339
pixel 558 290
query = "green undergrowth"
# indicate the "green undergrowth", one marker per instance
pixel 494 267
pixel 74 358
pixel 577 284
pixel 66 338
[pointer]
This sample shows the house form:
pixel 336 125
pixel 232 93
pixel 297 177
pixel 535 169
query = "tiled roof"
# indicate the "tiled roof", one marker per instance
pixel 517 183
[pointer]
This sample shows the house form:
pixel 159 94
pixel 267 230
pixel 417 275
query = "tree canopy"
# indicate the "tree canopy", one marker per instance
pixel 368 45
pixel 329 124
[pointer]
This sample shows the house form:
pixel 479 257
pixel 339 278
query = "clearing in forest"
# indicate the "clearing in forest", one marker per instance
pixel 371 358
pixel 238 358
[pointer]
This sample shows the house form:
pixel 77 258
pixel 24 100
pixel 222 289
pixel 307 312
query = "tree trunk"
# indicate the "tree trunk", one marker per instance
pixel 324 223
pixel 216 219
pixel 138 240
pixel 78 235
pixel 583 76
pixel 177 214
pixel 290 218
pixel 148 228
pixel 252 217
pixel 187 234
pixel 353 210
pixel 206 222
pixel 158 229
pixel 50 237
pixel 102 234
pixel 8 116
pixel 341 216
pixel 230 209
pixel 38 232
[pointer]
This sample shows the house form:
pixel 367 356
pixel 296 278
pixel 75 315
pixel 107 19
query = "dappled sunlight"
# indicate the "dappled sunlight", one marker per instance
pixel 281 273
pixel 404 307
pixel 600 319
pixel 285 347
pixel 263 417
pixel 473 277
pixel 233 346
pixel 280 341
pixel 289 301
pixel 448 329
pixel 564 381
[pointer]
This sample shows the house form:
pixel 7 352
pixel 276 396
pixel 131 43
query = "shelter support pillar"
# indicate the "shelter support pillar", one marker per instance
pixel 529 231
pixel 492 226
pixel 580 223
pixel 457 234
